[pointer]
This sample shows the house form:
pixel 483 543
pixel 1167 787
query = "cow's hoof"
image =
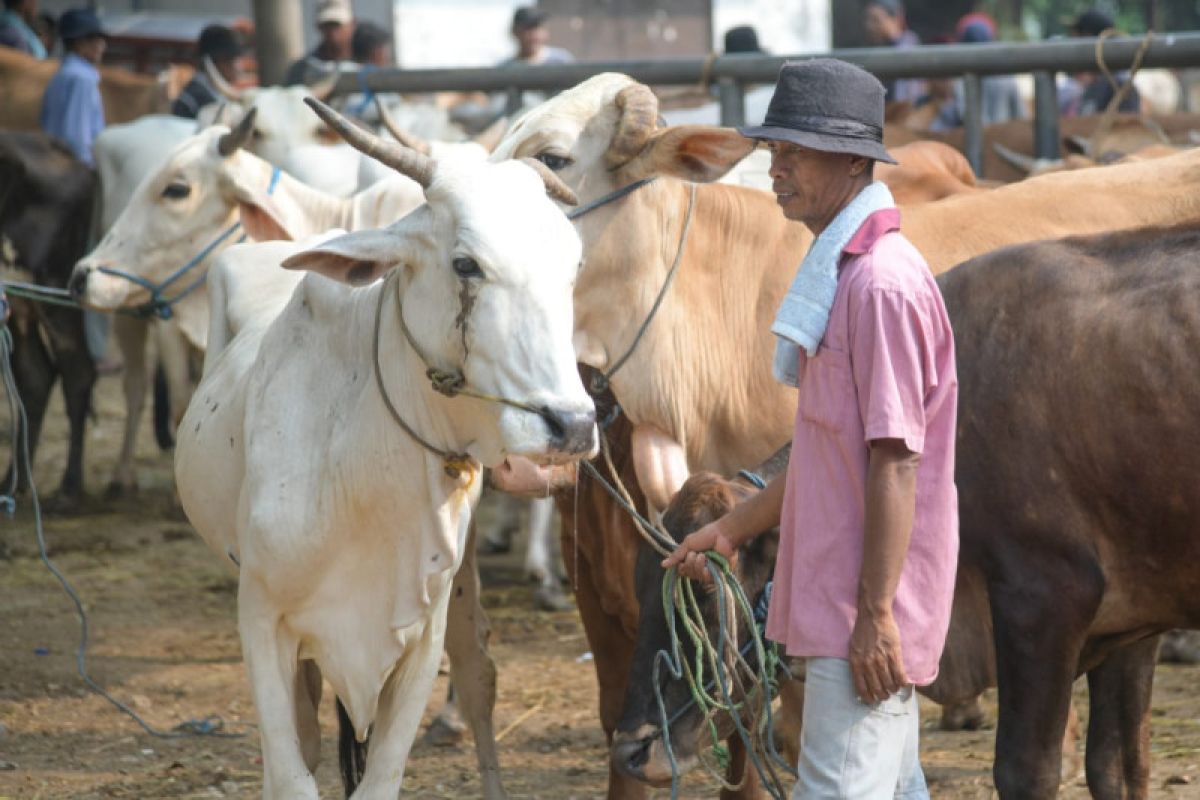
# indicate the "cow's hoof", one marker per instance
pixel 1180 647
pixel 63 503
pixel 966 716
pixel 495 545
pixel 445 731
pixel 551 598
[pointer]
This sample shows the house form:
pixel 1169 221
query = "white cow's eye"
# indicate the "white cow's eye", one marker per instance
pixel 467 267
pixel 176 191
pixel 555 161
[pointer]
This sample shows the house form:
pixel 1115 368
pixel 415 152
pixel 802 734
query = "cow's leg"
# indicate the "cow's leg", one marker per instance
pixel 401 704
pixel 34 374
pixel 78 378
pixel 539 556
pixel 1039 621
pixel 741 774
pixel 472 670
pixel 308 701
pixel 963 716
pixel 174 353
pixel 1118 740
pixel 131 339
pixel 270 653
pixel 612 651
pixel 788 718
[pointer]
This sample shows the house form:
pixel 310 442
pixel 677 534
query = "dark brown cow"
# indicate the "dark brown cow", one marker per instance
pixel 45 208
pixel 1078 451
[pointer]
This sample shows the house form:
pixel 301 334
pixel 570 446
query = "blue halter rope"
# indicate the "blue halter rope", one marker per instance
pixel 160 306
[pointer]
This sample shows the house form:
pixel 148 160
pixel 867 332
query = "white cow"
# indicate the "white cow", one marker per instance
pixel 347 530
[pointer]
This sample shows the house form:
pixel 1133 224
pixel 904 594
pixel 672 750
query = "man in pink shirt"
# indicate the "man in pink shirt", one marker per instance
pixel 867 509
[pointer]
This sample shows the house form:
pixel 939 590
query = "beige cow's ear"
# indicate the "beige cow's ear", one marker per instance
pixel 262 218
pixel 355 258
pixel 700 153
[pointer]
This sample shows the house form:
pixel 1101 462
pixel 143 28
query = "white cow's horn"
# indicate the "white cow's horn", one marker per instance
pixel 409 140
pixel 639 115
pixel 1019 161
pixel 554 184
pixel 230 142
pixel 324 87
pixel 403 159
pixel 228 90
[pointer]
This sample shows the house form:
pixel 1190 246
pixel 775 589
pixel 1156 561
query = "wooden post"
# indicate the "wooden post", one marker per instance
pixel 278 37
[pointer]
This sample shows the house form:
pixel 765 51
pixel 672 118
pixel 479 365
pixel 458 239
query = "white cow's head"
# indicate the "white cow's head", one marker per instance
pixel 485 271
pixel 206 184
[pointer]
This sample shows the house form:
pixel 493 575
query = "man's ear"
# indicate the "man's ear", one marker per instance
pixel 356 258
pixel 699 153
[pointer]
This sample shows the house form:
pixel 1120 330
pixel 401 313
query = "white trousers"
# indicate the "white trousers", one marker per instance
pixel 852 751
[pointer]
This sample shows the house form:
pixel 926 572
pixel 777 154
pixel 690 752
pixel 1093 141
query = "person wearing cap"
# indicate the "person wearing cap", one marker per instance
pixel 867 510
pixel 222 46
pixel 17 28
pixel 71 107
pixel 886 26
pixel 1090 92
pixel 529 29
pixel 335 24
pixel 1000 96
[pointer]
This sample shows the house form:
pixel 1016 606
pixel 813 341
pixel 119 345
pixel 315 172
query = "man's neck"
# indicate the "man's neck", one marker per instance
pixel 818 226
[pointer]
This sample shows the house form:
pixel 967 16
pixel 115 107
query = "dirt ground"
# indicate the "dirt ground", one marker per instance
pixel 163 640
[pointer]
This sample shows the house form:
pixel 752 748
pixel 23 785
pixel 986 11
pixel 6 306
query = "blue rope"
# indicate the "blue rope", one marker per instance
pixel 368 94
pixel 160 306
pixel 209 726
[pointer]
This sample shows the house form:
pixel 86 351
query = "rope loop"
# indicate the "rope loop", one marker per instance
pixel 450 384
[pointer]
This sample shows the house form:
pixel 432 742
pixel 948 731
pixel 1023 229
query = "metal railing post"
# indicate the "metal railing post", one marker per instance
pixel 973 120
pixel 1045 116
pixel 733 102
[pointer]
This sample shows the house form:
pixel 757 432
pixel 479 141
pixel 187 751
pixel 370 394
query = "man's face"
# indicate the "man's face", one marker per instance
pixel 91 49
pixel 230 69
pixel 336 35
pixel 28 9
pixel 811 186
pixel 882 27
pixel 532 39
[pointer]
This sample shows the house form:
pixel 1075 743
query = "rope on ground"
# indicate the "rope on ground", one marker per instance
pixel 722 665
pixel 209 726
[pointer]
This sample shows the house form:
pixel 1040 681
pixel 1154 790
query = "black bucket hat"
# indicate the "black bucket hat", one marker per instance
pixel 79 23
pixel 827 105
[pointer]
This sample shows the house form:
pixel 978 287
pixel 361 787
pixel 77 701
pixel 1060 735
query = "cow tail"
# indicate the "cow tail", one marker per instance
pixel 352 754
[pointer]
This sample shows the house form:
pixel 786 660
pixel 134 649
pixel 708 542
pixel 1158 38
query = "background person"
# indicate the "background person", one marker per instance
pixel 224 47
pixel 335 24
pixel 18 28
pixel 886 26
pixel 71 107
pixel 1091 92
pixel 1000 99
pixel 867 511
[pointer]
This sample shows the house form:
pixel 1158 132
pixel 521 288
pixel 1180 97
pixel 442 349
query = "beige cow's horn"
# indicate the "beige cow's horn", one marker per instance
pixel 404 160
pixel 409 140
pixel 554 184
pixel 228 90
pixel 490 136
pixel 639 114
pixel 1019 161
pixel 230 142
pixel 324 87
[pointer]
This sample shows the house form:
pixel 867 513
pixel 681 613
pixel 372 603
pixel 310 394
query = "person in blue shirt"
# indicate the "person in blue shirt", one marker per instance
pixel 16 27
pixel 71 108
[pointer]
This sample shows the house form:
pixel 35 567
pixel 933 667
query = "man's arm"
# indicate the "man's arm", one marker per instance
pixel 725 535
pixel 876 661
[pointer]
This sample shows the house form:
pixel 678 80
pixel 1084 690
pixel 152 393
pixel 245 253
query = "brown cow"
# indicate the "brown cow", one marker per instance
pixel 1129 133
pixel 1079 507
pixel 126 95
pixel 698 388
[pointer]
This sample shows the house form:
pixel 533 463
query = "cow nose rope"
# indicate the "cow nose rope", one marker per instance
pixel 160 305
pixel 743 685
pixel 601 380
pixel 450 383
pixel 209 726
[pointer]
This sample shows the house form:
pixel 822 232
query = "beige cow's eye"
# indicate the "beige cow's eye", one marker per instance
pixel 555 161
pixel 176 190
pixel 467 267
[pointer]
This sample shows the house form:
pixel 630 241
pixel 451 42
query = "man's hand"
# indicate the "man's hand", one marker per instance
pixel 875 659
pixel 689 555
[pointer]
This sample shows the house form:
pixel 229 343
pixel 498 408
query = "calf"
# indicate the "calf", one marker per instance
pixel 316 455
pixel 46 199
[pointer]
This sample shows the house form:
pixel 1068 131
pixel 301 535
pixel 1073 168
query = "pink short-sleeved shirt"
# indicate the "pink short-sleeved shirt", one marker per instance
pixel 884 370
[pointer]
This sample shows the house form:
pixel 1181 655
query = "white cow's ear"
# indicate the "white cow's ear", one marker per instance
pixel 699 153
pixel 262 218
pixel 355 258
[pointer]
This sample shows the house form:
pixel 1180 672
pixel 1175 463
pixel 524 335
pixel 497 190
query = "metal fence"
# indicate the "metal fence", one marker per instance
pixel 732 74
